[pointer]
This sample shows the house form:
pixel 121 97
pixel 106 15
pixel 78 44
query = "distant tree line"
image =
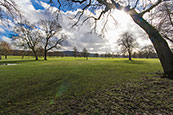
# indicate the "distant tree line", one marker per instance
pixel 145 52
pixel 4 49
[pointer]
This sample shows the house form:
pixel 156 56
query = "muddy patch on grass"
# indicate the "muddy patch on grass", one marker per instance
pixel 151 95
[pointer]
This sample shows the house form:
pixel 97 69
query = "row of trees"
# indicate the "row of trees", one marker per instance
pixel 45 35
pixel 4 49
pixel 144 52
pixel 127 50
pixel 84 53
pixel 128 44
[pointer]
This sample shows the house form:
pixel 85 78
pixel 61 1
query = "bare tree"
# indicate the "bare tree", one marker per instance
pixel 96 55
pixel 85 53
pixel 4 48
pixel 51 38
pixel 108 54
pixel 136 9
pixel 40 51
pixel 135 55
pixel 127 43
pixel 75 52
pixel 22 53
pixel 28 37
pixel 148 50
pixel 162 19
pixel 8 8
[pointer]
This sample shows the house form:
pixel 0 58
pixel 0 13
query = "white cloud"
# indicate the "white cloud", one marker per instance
pixel 28 11
pixel 6 39
pixel 80 37
pixel 2 30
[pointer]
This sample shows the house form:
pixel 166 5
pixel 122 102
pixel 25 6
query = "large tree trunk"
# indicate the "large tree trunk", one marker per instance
pixel 5 56
pixel 147 55
pixel 35 54
pixel 45 54
pixel 161 46
pixel 130 56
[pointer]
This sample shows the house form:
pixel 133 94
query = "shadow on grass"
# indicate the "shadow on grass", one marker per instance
pixel 5 62
pixel 132 61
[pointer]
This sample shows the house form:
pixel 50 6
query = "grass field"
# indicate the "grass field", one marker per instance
pixel 68 85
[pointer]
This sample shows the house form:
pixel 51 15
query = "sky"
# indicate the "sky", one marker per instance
pixel 80 36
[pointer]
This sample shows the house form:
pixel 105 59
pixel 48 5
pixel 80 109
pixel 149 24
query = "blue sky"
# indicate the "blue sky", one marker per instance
pixel 34 10
pixel 7 33
pixel 37 5
pixel 64 7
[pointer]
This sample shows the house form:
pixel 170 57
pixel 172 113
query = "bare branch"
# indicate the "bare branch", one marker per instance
pixel 149 9
pixel 92 17
pixel 59 4
pixel 78 1
pixel 57 42
pixel 169 14
pixel 94 28
pixel 113 18
pixel 104 26
pixel 116 5
pixel 135 4
pixel 83 10
pixel 11 7
pixel 168 38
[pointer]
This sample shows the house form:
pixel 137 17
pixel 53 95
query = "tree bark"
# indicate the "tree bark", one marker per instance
pixel 161 46
pixel 45 54
pixel 130 56
pixel 35 54
pixel 147 56
pixel 5 56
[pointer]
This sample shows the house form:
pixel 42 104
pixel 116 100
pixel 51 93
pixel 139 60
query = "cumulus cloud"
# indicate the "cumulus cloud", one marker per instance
pixel 6 39
pixel 28 11
pixel 80 36
pixel 2 30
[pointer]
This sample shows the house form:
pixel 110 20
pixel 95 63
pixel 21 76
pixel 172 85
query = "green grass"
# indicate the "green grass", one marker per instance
pixel 32 85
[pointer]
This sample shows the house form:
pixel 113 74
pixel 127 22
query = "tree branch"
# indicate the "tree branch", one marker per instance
pixel 135 4
pixel 78 1
pixel 59 4
pixel 104 26
pixel 83 10
pixel 56 43
pixel 168 38
pixel 102 13
pixel 149 9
